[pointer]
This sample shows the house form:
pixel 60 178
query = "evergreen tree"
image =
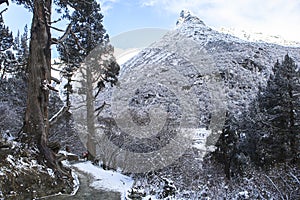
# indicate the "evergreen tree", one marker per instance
pixel 24 42
pixel 21 51
pixel 35 131
pixel 227 146
pixel 279 105
pixel 24 49
pixel 17 41
pixel 87 50
pixel 86 32
pixel 6 55
pixel 36 123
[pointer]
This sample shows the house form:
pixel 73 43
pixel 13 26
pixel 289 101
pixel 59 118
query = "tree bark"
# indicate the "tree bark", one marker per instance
pixel 36 123
pixel 91 146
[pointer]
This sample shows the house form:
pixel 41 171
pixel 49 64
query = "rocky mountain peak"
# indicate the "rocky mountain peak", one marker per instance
pixel 186 17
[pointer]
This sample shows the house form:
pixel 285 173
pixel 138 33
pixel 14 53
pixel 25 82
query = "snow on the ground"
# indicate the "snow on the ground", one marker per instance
pixel 199 139
pixel 106 179
pixel 126 55
pixel 65 153
pixel 75 182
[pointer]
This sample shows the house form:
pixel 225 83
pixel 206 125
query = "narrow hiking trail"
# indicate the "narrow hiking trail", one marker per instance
pixel 85 191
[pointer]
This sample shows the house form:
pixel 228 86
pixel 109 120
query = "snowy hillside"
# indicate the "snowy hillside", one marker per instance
pixel 253 36
pixel 242 65
pixel 198 76
pixel 187 81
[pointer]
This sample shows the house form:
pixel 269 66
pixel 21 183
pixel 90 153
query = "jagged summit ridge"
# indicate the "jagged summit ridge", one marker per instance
pixel 187 17
pixel 191 26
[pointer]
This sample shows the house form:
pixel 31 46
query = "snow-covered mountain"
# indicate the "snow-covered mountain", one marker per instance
pixel 185 84
pixel 259 37
pixel 242 66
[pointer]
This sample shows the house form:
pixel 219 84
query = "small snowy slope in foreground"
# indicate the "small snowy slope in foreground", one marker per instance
pixel 106 179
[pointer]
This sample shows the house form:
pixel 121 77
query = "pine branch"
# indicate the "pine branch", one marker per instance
pixel 77 41
pixel 63 37
pixel 55 21
pixel 57 29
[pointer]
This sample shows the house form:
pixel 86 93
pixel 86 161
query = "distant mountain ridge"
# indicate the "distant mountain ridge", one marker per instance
pixel 252 36
pixel 186 17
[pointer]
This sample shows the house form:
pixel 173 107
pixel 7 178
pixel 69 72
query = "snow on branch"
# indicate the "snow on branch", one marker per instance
pixel 46 86
pixel 55 80
pixel 4 1
pixel 274 186
pixel 58 115
pixel 3 11
pixel 52 68
pixel 295 177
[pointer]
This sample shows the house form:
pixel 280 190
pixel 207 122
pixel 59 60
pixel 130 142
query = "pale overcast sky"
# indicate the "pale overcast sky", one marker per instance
pixel 275 17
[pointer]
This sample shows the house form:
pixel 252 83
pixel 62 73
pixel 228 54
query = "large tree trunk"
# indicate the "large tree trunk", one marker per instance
pixel 91 146
pixel 36 124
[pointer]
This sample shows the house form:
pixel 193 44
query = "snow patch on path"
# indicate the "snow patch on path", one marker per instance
pixel 106 179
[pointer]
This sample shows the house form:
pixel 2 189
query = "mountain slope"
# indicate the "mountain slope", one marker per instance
pixel 244 66
pixel 181 88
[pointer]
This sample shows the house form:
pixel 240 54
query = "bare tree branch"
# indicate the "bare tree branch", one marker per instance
pixel 52 88
pixel 63 37
pixel 55 80
pixel 100 108
pixel 295 178
pixel 58 20
pixel 76 108
pixel 52 68
pixel 3 11
pixel 57 29
pixel 274 186
pixel 58 115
